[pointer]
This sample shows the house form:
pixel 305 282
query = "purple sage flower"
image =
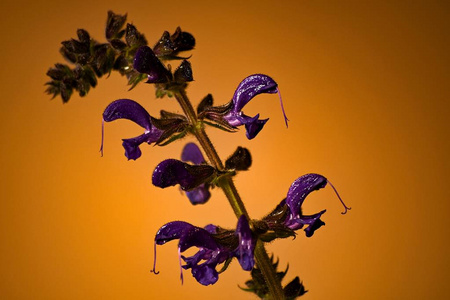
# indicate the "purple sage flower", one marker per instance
pixel 171 172
pixel 133 111
pixel 200 194
pixel 250 87
pixel 297 193
pixel 215 246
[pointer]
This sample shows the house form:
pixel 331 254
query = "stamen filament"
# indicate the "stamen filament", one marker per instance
pixel 181 269
pixel 103 137
pixel 282 108
pixel 154 261
pixel 337 194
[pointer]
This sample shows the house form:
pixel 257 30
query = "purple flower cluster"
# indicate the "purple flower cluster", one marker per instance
pixel 215 246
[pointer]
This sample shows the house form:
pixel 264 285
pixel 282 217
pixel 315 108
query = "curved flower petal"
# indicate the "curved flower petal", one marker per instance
pixel 145 61
pixel 191 152
pixel 297 193
pixel 247 244
pixel 127 109
pixel 250 87
pixel 301 188
pixel 171 231
pixel 171 172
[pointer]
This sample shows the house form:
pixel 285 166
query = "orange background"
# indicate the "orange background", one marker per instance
pixel 365 85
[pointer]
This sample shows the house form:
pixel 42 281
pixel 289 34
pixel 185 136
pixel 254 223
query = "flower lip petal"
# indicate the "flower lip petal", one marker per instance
pixel 205 274
pixel 131 146
pixel 253 126
pixel 199 195
pixel 191 152
pixel 127 109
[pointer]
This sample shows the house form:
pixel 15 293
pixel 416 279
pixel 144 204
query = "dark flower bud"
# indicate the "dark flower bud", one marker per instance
pixel 104 57
pixel 83 36
pixel 184 72
pixel 164 46
pixel 118 44
pixel 69 56
pixel 66 91
pixel 133 37
pixel 121 64
pixel 294 289
pixel 89 76
pixel 113 25
pixel 182 40
pixel 240 160
pixel 58 72
pixel 205 103
pixel 146 62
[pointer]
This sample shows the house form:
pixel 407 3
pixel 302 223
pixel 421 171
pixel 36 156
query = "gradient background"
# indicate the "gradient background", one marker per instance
pixel 365 85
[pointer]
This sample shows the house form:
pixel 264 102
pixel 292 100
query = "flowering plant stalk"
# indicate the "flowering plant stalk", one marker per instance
pixel 127 52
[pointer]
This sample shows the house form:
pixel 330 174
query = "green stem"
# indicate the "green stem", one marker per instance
pixel 265 265
pixel 228 187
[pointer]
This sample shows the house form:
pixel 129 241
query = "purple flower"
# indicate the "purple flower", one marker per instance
pixel 250 87
pixel 200 194
pixel 171 172
pixel 215 246
pixel 133 111
pixel 289 212
pixel 297 193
